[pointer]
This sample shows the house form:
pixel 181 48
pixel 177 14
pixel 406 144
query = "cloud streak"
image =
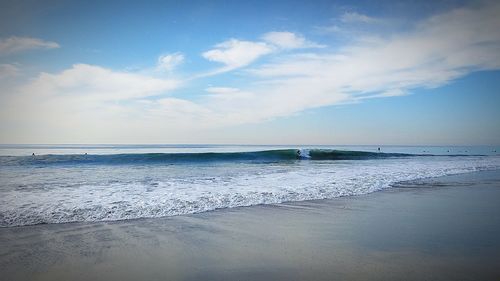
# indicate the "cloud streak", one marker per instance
pixel 235 53
pixel 354 17
pixel 8 70
pixel 85 100
pixel 14 45
pixel 97 83
pixel 289 40
pixel 169 62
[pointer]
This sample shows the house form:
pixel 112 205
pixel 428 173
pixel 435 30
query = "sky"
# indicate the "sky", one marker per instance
pixel 250 72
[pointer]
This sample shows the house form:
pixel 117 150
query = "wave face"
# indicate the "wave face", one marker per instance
pixel 175 158
pixel 88 188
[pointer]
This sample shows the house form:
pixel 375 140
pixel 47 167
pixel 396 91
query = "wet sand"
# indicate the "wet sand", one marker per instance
pixel 437 229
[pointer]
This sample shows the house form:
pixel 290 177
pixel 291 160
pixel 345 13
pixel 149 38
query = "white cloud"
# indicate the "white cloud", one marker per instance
pixel 180 108
pixel 222 90
pixel 329 29
pixel 236 53
pixel 289 40
pixel 90 82
pixel 85 100
pixel 225 97
pixel 354 17
pixel 18 44
pixel 8 70
pixel 170 61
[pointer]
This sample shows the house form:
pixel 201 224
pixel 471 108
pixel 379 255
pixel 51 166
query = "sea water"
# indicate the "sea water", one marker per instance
pixel 75 183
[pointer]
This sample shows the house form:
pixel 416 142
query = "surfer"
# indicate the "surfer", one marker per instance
pixel 298 152
pixel 33 154
pixel 378 149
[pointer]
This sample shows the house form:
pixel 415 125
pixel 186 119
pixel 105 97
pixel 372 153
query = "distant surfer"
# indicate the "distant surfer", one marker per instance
pixel 378 149
pixel 33 154
pixel 298 153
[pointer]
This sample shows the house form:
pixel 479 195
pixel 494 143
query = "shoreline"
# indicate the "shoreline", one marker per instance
pixel 439 228
pixel 405 183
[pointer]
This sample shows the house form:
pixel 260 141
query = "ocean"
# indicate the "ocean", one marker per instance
pixel 91 183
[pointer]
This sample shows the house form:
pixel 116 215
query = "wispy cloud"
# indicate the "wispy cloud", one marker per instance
pixel 235 53
pixel 222 90
pixel 289 40
pixel 222 97
pixel 169 62
pixel 354 17
pixel 347 24
pixel 87 99
pixel 14 44
pixel 8 70
pixel 95 83
pixel 328 29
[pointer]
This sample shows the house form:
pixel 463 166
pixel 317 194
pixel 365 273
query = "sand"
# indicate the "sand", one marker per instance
pixel 437 229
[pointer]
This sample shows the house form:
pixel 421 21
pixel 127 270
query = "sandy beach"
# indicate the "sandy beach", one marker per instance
pixel 436 229
pixel 249 140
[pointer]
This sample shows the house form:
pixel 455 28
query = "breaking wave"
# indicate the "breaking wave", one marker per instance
pixel 34 193
pixel 174 158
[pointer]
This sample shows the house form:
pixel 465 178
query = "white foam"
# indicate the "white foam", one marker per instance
pixel 128 192
pixel 304 153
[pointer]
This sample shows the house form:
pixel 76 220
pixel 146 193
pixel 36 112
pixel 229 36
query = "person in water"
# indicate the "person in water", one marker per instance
pixel 298 153
pixel 378 149
pixel 33 154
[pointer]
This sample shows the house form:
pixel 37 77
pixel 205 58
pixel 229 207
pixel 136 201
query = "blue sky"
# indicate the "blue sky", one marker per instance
pixel 286 72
